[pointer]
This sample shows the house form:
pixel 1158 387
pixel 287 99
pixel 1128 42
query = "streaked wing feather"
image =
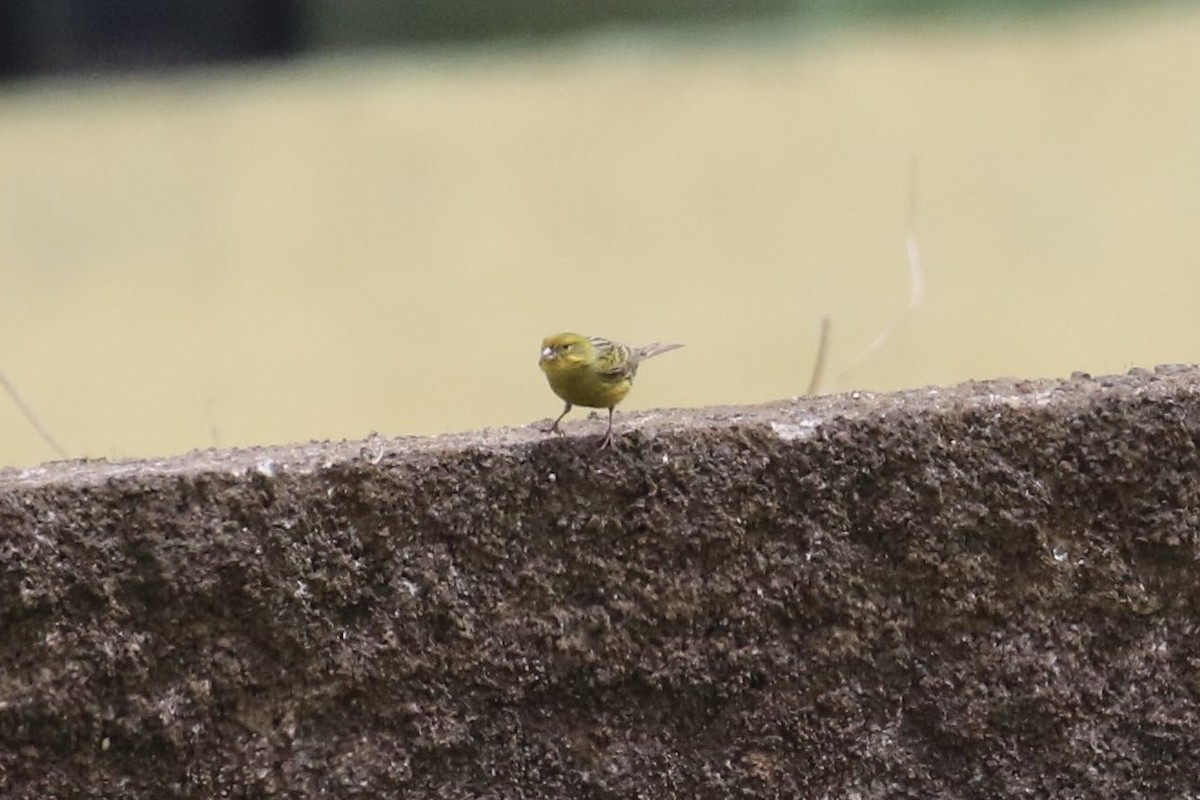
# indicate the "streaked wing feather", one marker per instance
pixel 613 361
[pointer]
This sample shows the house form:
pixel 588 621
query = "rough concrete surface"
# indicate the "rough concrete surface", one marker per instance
pixel 973 592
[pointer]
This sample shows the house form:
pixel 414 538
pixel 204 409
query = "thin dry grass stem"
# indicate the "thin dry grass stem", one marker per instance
pixel 30 416
pixel 814 383
pixel 916 273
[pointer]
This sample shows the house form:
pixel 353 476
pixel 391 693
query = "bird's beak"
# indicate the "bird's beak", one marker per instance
pixel 547 353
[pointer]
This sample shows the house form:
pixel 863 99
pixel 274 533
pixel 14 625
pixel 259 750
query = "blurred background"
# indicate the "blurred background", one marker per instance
pixel 236 222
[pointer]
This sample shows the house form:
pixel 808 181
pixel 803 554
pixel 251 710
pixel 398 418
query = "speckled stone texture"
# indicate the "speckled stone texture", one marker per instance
pixel 980 591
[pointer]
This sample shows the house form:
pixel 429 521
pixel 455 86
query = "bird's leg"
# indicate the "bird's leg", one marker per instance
pixel 608 433
pixel 554 428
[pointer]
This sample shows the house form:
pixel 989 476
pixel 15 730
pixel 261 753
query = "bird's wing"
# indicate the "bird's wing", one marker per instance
pixel 613 361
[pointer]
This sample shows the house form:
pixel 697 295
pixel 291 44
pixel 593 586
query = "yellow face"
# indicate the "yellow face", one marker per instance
pixel 564 351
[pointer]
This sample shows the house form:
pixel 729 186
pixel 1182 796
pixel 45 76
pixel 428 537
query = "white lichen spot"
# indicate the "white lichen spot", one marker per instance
pixel 790 431
pixel 266 468
pixel 1043 398
pixel 409 587
pixel 666 459
pixel 552 477
pixel 1059 552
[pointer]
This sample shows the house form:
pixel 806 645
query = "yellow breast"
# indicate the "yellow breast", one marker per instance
pixel 580 385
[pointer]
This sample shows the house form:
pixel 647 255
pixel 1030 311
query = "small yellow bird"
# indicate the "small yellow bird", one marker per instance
pixel 593 372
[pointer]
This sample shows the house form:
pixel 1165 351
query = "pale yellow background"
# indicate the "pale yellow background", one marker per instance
pixel 329 248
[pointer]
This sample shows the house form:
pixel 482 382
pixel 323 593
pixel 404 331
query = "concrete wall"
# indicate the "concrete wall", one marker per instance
pixel 979 591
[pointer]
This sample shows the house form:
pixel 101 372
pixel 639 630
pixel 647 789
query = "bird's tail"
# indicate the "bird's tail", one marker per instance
pixel 651 350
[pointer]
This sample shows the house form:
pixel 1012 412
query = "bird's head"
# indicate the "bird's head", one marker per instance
pixel 564 351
